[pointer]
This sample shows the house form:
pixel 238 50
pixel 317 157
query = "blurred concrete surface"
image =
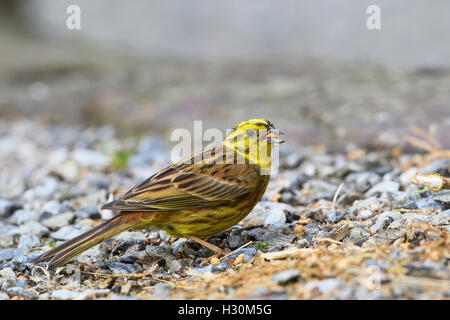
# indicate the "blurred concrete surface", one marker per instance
pixel 311 67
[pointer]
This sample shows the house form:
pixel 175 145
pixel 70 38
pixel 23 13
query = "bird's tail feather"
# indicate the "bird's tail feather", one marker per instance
pixel 70 249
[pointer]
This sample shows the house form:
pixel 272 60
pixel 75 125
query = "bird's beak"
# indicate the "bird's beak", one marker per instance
pixel 274 136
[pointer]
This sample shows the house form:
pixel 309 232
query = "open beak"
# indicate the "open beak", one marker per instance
pixel 274 136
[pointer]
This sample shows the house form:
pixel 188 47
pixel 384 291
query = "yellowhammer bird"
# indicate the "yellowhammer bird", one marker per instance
pixel 200 196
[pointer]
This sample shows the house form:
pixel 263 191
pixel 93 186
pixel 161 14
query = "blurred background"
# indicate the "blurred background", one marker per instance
pixel 311 67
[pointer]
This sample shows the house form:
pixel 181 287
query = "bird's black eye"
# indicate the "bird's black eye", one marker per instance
pixel 250 132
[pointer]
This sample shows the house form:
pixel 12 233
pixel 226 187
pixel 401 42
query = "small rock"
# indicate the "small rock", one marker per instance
pixel 8 207
pixel 439 166
pixel 255 234
pixel 442 197
pixel 263 208
pixel 326 286
pixel 161 291
pixel 45 190
pixel 365 213
pixel 372 203
pixel 275 216
pixel 389 236
pixel 90 158
pixel 28 241
pixel 358 234
pixel 412 218
pixel 8 273
pixel 132 257
pixel 407 176
pixel 58 221
pixel 248 254
pixel 64 294
pixel 66 233
pixel 440 219
pixel 384 186
pixel 362 180
pixel 122 268
pixel 3 296
pixel 429 202
pixel 235 241
pixel 321 189
pixel 285 277
pixel 207 269
pixel 88 212
pixel 292 161
pixel 24 215
pixel 334 216
pixel 23 261
pixel 53 207
pixel 175 266
pixel 8 254
pixel 21 293
pixel 8 279
pixel 384 220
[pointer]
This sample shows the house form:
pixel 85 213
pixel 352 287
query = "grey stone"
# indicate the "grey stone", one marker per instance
pixel 45 190
pixel 292 161
pixel 22 293
pixel 411 218
pixel 275 216
pixel 53 207
pixel 8 273
pixel 285 277
pixel 8 254
pixel 365 213
pixel 122 268
pixel 207 269
pixel 66 233
pixel 235 241
pixel 3 296
pixel 321 189
pixel 358 234
pixel 248 253
pixel 362 180
pixel 326 286
pixel 59 220
pixel 371 203
pixel 389 236
pixel 88 212
pixel 384 220
pixel 24 215
pixel 8 279
pixel 429 202
pixel 334 216
pixel 64 294
pixel 384 186
pixel 90 158
pixel 439 166
pixel 24 261
pixel 92 294
pixel 160 251
pixel 161 291
pixel 175 266
pixel 407 176
pixel 8 207
pixel 132 257
pixel 255 234
pixel 28 241
pixel 442 197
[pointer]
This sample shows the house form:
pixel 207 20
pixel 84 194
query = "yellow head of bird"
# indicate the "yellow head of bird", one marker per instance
pixel 253 139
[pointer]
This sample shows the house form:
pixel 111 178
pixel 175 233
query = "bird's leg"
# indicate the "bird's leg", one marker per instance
pixel 206 244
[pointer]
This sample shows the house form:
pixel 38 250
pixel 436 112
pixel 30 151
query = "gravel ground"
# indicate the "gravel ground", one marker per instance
pixel 341 225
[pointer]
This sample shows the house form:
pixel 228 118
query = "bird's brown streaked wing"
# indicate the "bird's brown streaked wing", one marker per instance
pixel 182 186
